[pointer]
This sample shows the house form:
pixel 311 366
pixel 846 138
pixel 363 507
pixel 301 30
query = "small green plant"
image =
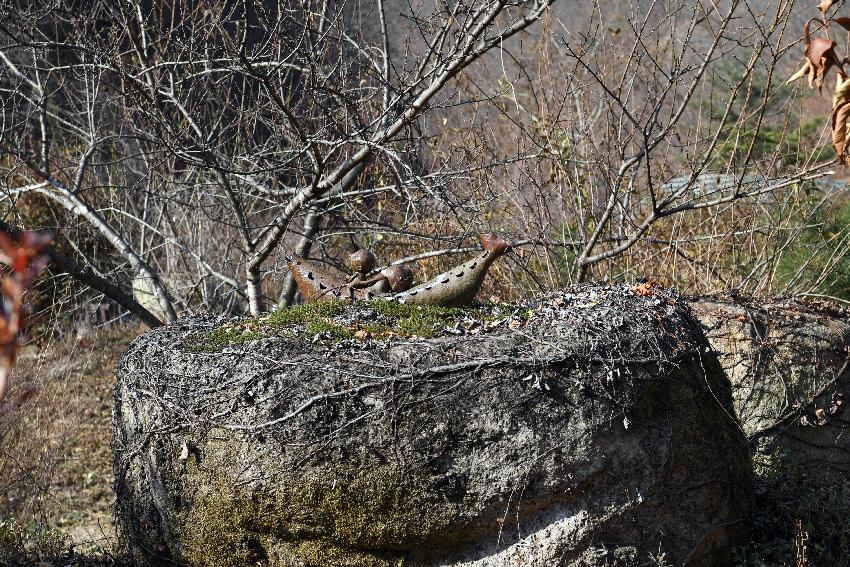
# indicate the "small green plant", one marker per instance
pixel 818 259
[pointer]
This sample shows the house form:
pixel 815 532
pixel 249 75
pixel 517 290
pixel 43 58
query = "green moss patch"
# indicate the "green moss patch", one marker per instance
pixel 375 320
pixel 422 320
pixel 215 340
pixel 306 313
pixel 379 516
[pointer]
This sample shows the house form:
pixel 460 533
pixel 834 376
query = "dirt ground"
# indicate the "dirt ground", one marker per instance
pixel 55 434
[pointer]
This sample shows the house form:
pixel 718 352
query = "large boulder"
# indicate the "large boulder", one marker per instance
pixel 588 427
pixel 789 366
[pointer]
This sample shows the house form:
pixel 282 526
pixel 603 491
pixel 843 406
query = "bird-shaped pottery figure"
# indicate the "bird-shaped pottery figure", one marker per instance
pixel 389 280
pixel 316 284
pixel 361 264
pixel 454 288
pixel 458 286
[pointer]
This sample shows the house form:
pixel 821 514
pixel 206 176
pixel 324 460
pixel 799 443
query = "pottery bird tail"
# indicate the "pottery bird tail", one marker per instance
pixel 314 283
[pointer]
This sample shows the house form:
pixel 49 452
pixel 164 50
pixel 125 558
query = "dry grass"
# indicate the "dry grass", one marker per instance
pixel 55 435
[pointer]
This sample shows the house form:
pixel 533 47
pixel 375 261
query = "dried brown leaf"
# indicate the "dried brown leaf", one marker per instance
pixel 802 71
pixel 842 92
pixel 843 22
pixel 819 58
pixel 646 288
pixel 839 130
pixel 840 117
pixel 821 53
pixel 825 5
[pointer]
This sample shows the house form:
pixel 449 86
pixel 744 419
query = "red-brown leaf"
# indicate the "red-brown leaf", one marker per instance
pixel 818 48
pixel 8 249
pixel 20 255
pixel 821 53
pixel 843 22
pixel 26 260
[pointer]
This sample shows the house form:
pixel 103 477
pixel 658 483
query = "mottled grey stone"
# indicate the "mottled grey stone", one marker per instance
pixel 599 432
pixel 788 366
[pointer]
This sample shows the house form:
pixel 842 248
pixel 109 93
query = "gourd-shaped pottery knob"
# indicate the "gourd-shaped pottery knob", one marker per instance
pixel 362 262
pixel 400 278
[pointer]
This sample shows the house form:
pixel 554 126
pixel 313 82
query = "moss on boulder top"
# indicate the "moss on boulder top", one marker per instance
pixel 335 321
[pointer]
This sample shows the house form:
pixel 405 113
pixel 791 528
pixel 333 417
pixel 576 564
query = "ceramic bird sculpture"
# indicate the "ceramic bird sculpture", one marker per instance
pixel 454 288
pixel 361 263
pixel 315 284
pixel 389 280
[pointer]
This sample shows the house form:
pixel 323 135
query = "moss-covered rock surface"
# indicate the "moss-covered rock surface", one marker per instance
pixel 585 427
pixel 380 320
